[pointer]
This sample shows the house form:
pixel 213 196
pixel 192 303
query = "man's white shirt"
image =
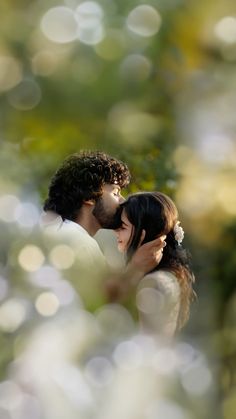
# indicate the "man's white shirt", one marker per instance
pixel 89 270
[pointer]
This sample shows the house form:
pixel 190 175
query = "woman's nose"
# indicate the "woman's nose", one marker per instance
pixel 121 199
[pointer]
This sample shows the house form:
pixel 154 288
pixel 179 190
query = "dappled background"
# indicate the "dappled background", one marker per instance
pixel 152 83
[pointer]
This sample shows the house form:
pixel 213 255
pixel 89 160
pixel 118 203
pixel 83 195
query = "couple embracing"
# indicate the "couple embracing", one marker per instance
pixel 85 196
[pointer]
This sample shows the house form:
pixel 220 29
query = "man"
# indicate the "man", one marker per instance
pixel 84 196
pixel 86 190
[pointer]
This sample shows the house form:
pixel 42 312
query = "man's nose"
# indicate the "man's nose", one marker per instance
pixel 121 199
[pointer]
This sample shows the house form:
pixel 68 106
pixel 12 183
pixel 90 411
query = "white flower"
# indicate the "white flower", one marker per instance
pixel 178 232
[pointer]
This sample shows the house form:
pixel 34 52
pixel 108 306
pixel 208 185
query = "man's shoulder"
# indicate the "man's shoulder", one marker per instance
pixel 50 220
pixel 60 231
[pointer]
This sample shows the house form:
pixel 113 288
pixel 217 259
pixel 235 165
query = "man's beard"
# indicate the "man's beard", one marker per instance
pixel 105 218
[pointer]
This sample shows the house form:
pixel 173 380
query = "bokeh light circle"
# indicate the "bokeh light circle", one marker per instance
pixel 47 304
pixel 26 214
pixel 136 67
pixel 91 36
pixel 112 46
pixel 99 371
pixel 10 72
pixel 144 20
pixel 59 25
pixel 225 29
pixel 31 258
pixel 89 15
pixel 44 63
pixel 25 96
pixel 12 315
pixel 8 205
pixel 62 256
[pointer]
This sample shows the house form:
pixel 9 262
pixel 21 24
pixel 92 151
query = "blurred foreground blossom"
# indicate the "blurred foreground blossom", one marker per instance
pixel 69 363
pixel 67 368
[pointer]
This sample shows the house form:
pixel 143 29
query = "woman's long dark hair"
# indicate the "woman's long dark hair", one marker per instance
pixel 157 214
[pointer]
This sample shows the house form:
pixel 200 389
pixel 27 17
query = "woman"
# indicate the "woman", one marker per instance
pixel 164 295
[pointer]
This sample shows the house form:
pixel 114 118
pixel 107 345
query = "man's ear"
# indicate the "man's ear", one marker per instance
pixel 90 202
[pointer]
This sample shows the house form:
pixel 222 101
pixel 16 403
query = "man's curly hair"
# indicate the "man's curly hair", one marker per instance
pixel 81 177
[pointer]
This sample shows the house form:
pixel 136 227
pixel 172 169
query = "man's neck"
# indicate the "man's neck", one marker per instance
pixel 86 219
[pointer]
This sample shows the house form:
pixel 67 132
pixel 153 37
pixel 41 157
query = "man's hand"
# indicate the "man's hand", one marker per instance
pixel 146 258
pixel 148 255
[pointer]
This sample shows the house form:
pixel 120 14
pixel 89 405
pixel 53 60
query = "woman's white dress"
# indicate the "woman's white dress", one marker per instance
pixel 158 302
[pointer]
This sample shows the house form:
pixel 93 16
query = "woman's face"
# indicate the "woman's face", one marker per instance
pixel 124 233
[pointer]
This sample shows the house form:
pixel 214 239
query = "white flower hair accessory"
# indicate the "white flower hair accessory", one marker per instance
pixel 178 232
